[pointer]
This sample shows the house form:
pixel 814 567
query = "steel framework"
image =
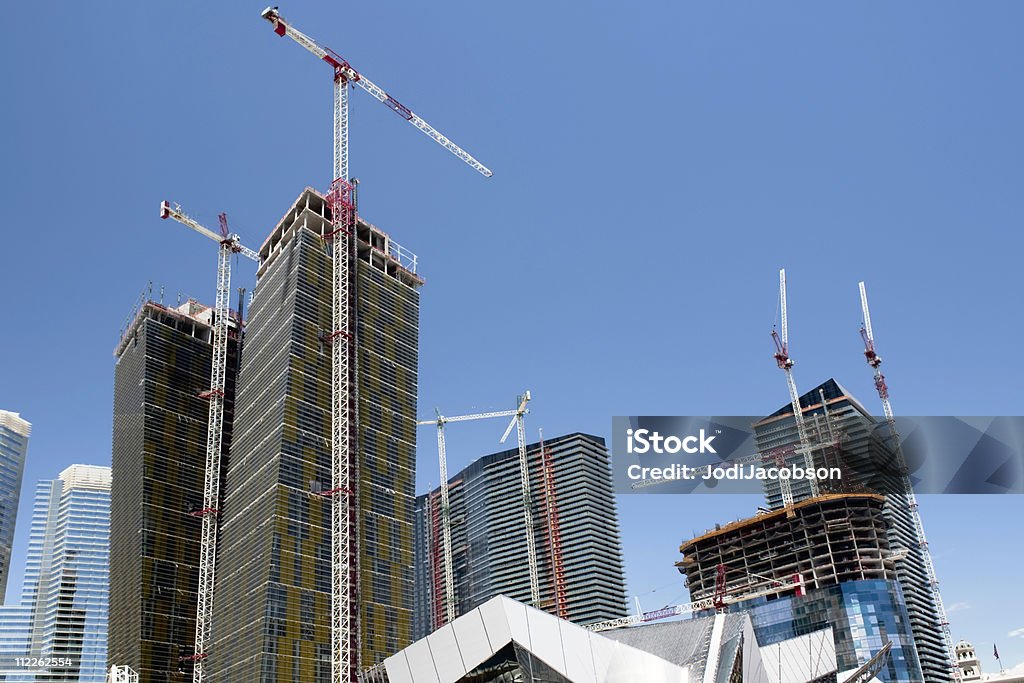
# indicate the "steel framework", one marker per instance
pixel 229 245
pixel 875 362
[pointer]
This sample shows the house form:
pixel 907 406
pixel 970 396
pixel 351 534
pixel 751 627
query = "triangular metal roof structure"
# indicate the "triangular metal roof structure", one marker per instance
pixel 505 637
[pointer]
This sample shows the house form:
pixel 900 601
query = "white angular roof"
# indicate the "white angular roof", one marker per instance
pixel 581 656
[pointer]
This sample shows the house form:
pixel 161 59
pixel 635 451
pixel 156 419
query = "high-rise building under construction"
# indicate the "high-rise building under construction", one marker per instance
pixel 489 548
pixel 158 466
pixel 869 462
pixel 272 593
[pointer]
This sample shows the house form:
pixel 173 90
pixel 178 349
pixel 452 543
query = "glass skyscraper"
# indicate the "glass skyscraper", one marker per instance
pixel 59 631
pixel 14 433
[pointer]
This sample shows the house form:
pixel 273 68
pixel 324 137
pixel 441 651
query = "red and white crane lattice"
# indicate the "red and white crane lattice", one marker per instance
pixel 445 513
pixel 229 246
pixel 344 547
pixel 786 363
pixel 875 361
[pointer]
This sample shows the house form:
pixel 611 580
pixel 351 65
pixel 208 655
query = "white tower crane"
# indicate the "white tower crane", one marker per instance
pixel 524 479
pixel 786 364
pixel 344 549
pixel 446 527
pixel 345 74
pixel 875 362
pixel 229 245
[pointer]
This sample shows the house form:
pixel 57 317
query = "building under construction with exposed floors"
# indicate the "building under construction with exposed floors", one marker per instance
pixel 825 562
pixel 272 593
pixel 575 527
pixel 863 448
pixel 158 465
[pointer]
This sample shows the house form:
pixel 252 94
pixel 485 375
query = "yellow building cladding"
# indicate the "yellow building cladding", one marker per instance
pixel 273 592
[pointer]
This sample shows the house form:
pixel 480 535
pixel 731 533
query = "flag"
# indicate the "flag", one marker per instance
pixel 995 651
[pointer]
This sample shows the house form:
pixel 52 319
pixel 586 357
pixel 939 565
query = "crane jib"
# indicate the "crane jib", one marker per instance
pixel 399 108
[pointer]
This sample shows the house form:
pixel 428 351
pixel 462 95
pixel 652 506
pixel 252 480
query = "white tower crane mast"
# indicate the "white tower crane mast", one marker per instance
pixel 446 524
pixel 786 364
pixel 344 547
pixel 229 245
pixel 524 481
pixel 875 362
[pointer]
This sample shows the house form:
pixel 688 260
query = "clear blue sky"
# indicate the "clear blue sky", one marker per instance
pixel 655 164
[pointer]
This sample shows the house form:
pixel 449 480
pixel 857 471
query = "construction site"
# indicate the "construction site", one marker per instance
pixel 264 470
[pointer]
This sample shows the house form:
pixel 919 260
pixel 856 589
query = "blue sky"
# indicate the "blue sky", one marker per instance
pixel 655 164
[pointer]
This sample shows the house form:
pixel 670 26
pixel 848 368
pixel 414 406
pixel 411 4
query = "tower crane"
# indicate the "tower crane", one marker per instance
pixel 875 362
pixel 786 363
pixel 524 479
pixel 344 74
pixel 340 197
pixel 229 245
pixel 547 467
pixel 446 528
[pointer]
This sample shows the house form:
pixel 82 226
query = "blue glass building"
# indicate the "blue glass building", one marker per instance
pixel 863 615
pixel 14 433
pixel 62 618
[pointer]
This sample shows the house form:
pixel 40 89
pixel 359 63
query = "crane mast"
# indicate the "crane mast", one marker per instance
pixel 524 483
pixel 446 524
pixel 559 598
pixel 875 362
pixel 229 245
pixel 340 197
pixel 786 363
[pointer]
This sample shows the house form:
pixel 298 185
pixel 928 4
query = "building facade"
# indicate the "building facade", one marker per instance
pixel 869 462
pixel 970 667
pixel 14 434
pixel 273 583
pixel 158 467
pixel 489 534
pixel 62 618
pixel 825 562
